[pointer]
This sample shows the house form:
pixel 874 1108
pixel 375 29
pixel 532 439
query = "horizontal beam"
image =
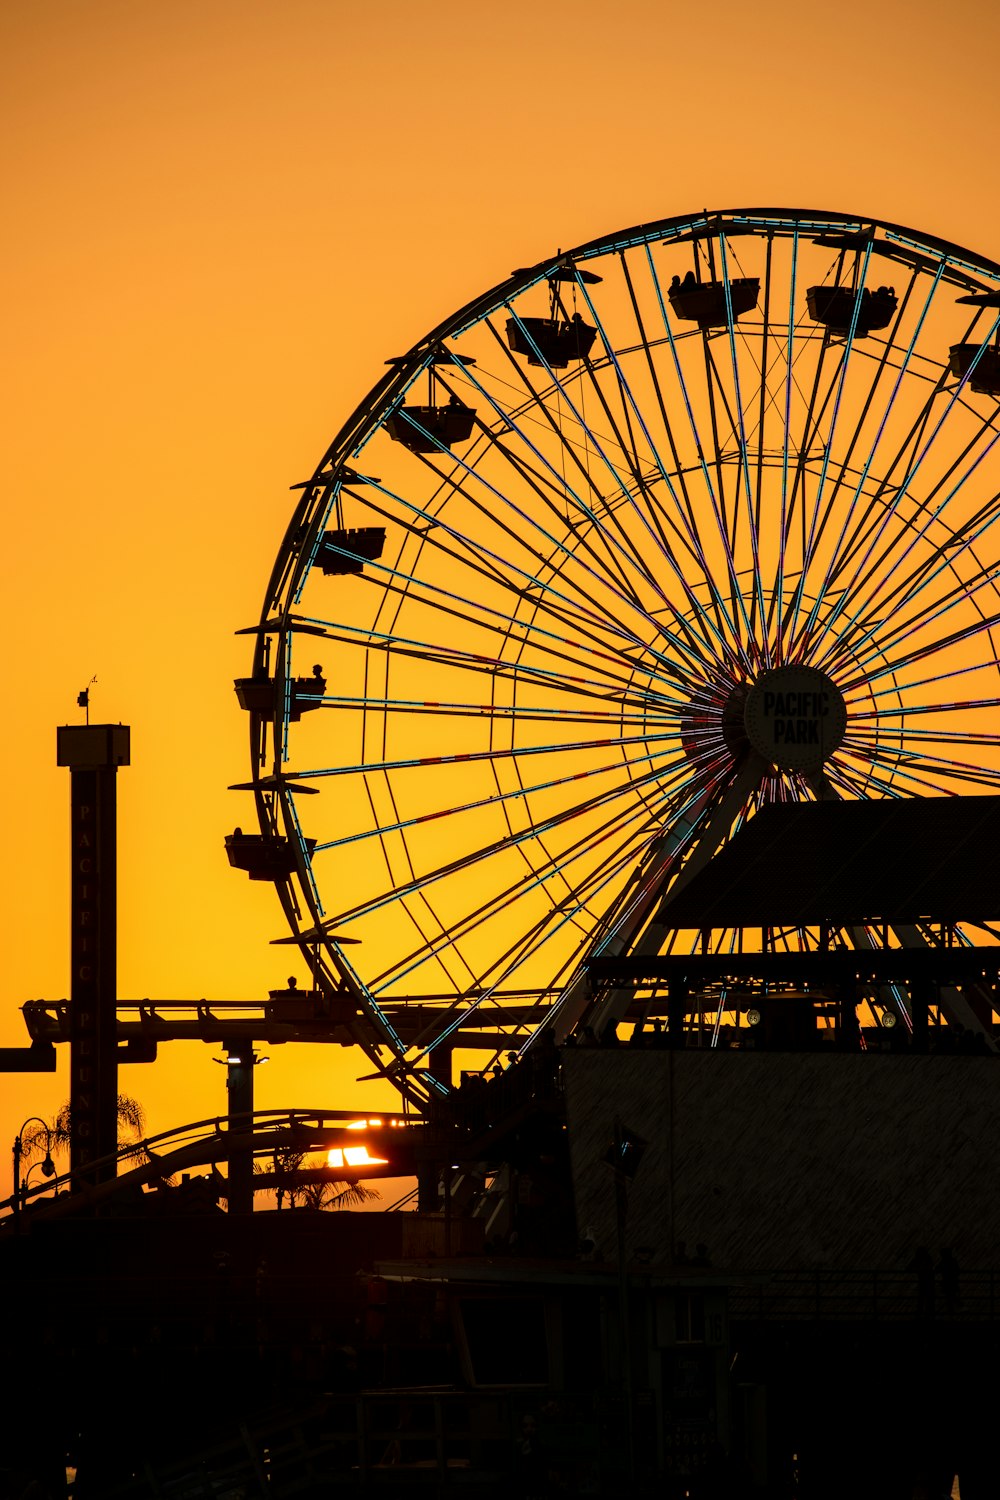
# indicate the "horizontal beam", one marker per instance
pixel 957 965
pixel 298 1017
pixel 40 1057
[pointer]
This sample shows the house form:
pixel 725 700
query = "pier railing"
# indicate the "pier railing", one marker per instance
pixel 890 1296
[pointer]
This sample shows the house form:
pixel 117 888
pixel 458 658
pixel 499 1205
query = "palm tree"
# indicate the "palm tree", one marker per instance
pixel 326 1194
pixel 57 1136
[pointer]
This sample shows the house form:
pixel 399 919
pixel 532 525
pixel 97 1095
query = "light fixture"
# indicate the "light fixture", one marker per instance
pixel 47 1166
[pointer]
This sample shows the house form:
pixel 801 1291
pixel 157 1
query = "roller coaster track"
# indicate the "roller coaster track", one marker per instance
pixel 391 1140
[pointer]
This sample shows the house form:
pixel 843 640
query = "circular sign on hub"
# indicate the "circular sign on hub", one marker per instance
pixel 795 717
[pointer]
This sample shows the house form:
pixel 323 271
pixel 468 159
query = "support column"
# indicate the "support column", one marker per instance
pixel 848 1027
pixel 93 753
pixel 921 996
pixel 677 998
pixel 240 1059
pixel 439 1061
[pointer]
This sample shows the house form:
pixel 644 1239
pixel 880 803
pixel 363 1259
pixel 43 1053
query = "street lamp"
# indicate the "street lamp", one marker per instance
pixel 240 1061
pixel 48 1166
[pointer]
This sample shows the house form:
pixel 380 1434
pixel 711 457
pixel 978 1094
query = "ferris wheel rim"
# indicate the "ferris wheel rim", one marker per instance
pixel 292 559
pixel 400 375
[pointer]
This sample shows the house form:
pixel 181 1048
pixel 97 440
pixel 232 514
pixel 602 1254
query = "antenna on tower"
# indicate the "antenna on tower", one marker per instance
pixel 83 699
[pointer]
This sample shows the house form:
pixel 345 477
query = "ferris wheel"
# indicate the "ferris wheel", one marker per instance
pixel 698 516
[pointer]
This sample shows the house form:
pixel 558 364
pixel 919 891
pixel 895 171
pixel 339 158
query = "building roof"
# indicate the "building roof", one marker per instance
pixel 890 859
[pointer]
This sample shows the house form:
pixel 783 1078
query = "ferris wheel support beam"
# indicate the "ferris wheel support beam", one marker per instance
pixel 953 1001
pixel 639 934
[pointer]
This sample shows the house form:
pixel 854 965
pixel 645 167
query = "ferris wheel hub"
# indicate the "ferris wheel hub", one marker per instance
pixel 795 717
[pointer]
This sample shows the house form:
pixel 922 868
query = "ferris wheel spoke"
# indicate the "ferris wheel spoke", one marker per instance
pixel 856 782
pixel 499 753
pixel 502 967
pixel 551 601
pixel 626 494
pixel 625 554
pixel 612 686
pixel 877 668
pixel 691 536
pixel 879 743
pixel 564 912
pixel 797 519
pixel 957 737
pixel 839 557
pixel 752 512
pixel 904 541
pixel 424 526
pixel 865 642
pixel 554 600
pixel 453 954
pixel 592 441
pixel 692 808
pixel 613 545
pixel 913 761
pixel 714 388
pixel 604 877
pixel 946 555
pixel 679 495
pixel 908 711
pixel 567 913
pixel 933 681
pixel 457 809
pixel 528 944
pixel 922 575
pixel 734 609
pixel 927 770
pixel 553 490
pixel 515 533
pixel 765 400
pixel 901 370
pixel 685 636
pixel 430 942
pixel 836 392
pixel 536 715
pixel 964 591
pixel 863 780
pixel 776 610
pixel 530 879
pixel 466 862
pixel 622 430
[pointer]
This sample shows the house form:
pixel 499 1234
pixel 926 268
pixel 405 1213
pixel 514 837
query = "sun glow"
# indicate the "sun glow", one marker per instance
pixel 354 1156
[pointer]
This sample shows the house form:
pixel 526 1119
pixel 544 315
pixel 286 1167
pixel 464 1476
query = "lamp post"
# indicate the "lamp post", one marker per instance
pixel 47 1165
pixel 240 1061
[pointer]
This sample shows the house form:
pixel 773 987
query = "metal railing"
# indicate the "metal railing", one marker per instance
pixel 865 1296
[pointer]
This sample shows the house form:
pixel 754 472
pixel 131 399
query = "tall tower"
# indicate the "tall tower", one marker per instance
pixel 93 753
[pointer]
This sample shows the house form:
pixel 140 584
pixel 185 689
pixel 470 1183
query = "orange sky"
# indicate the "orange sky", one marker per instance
pixel 222 216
